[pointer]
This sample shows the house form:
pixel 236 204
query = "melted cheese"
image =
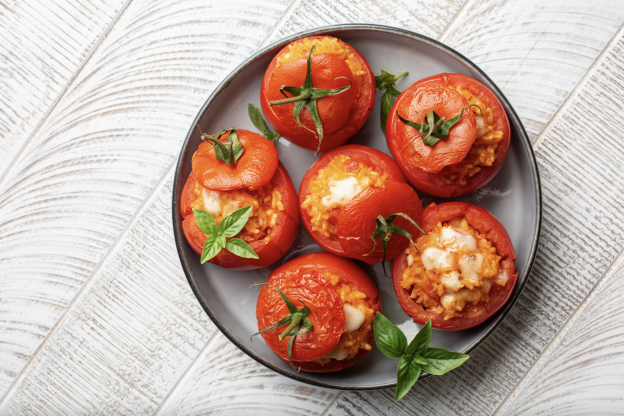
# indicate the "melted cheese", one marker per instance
pixel 212 201
pixel 457 300
pixel 457 240
pixel 337 354
pixel 451 281
pixel 341 192
pixel 435 258
pixel 354 318
pixel 470 267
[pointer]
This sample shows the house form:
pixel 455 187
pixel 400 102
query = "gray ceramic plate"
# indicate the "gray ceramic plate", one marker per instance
pixel 513 196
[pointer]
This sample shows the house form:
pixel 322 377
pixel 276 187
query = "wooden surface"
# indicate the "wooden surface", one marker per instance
pixel 95 312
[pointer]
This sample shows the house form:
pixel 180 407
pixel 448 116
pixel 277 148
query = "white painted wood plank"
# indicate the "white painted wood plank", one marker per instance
pixel 115 133
pixel 42 44
pixel 583 232
pixel 536 51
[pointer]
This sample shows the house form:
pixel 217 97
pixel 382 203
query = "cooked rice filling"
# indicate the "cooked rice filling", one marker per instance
pixel 455 268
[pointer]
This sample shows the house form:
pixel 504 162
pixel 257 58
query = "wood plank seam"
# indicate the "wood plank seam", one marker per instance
pixel 63 91
pixel 88 283
pixel 579 87
pixel 462 11
pixel 278 24
pixel 188 372
pixel 563 331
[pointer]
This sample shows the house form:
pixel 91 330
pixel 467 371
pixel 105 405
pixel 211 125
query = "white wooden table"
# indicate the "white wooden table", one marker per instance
pixel 96 315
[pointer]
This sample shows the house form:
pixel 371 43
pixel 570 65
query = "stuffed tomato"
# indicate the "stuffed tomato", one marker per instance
pixel 461 272
pixel 317 312
pixel 216 193
pixel 449 134
pixel 344 194
pixel 317 92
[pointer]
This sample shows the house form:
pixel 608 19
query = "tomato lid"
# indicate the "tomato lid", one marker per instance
pixel 253 169
pixel 356 222
pixel 302 286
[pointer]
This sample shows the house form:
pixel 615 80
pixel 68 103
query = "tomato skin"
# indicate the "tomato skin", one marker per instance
pixel 336 135
pixel 282 237
pixel 487 224
pixel 434 183
pixel 349 273
pixel 356 222
pixel 374 158
pixel 253 169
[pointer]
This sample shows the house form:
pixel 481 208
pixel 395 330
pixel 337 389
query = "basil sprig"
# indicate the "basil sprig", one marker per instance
pixel 385 229
pixel 434 128
pixel 297 320
pixel 258 121
pixel 228 152
pixel 306 96
pixel 416 356
pixel 217 234
pixel 387 81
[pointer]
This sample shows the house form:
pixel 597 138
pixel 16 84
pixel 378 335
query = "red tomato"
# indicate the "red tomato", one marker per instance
pixel 356 221
pixel 341 115
pixel 304 278
pixel 482 220
pixel 281 238
pixel 422 167
pixel 253 169
pixel 368 156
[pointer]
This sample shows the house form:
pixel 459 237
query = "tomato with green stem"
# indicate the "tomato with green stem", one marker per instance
pixel 301 314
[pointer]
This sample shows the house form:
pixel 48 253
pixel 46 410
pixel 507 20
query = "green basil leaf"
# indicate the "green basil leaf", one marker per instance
pixel 420 343
pixel 205 221
pixel 386 105
pixel 234 223
pixel 393 91
pixel 407 374
pixel 389 338
pixel 441 361
pixel 212 247
pixel 256 118
pixel 419 360
pixel 240 248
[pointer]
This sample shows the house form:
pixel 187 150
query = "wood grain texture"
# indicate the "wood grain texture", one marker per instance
pixel 536 51
pixel 229 382
pixel 428 18
pixel 115 133
pixel 582 372
pixel 42 44
pixel 583 232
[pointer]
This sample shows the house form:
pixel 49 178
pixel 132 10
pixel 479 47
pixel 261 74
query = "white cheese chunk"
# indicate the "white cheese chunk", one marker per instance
pixel 337 354
pixel 341 192
pixel 470 267
pixel 212 201
pixel 354 318
pixel 457 240
pixel 481 129
pixel 451 281
pixel 501 278
pixel 435 258
pixel 457 301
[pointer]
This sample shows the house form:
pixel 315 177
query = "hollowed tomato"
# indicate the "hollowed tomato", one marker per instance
pixel 341 115
pixel 305 281
pixel 488 226
pixel 473 152
pixel 280 239
pixel 348 230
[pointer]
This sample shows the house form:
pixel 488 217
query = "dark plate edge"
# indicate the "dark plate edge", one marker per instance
pixel 177 232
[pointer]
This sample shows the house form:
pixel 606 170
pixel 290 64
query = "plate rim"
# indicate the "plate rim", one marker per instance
pixel 319 30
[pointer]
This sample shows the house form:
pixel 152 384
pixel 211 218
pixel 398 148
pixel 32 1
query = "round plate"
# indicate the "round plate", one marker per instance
pixel 513 196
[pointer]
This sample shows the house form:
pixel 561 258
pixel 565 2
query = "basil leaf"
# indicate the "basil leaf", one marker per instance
pixel 258 121
pixel 205 221
pixel 234 223
pixel 240 248
pixel 421 341
pixel 393 91
pixel 407 374
pixel 386 105
pixel 419 360
pixel 212 247
pixel 441 361
pixel 390 339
